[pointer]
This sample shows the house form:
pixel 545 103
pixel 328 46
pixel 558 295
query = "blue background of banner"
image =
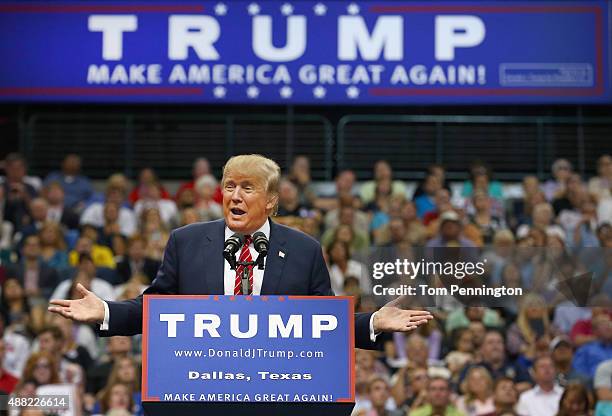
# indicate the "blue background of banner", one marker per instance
pixel 166 373
pixel 46 49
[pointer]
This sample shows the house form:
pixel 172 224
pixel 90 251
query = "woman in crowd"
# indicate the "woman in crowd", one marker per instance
pixel 531 324
pixel 575 401
pixel 207 208
pixel 42 369
pixel 477 399
pixel 342 266
pixel 52 246
pixel 115 400
pixel 154 232
pixel 482 219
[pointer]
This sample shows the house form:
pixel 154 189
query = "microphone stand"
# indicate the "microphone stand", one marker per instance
pixel 246 271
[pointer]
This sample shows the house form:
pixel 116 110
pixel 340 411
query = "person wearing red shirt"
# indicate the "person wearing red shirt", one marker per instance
pixel 7 380
pixel 201 167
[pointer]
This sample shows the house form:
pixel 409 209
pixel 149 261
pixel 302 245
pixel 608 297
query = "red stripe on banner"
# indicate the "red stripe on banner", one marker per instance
pixel 100 8
pixel 479 9
pixel 101 91
pixel 462 92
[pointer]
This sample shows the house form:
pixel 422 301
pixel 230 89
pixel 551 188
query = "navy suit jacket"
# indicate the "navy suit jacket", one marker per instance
pixel 193 264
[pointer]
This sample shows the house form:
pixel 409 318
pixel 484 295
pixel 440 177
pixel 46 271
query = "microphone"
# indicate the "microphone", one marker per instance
pixel 231 246
pixel 261 243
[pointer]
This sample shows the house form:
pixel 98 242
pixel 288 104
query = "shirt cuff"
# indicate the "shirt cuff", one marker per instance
pixel 104 324
pixel 373 334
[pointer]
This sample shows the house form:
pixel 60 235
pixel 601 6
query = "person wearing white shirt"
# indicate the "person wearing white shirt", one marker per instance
pixel 544 398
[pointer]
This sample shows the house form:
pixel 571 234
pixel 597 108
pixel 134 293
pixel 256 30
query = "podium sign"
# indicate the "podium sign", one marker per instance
pixel 248 349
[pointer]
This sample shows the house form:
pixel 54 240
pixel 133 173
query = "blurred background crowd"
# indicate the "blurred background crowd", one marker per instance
pixel 536 355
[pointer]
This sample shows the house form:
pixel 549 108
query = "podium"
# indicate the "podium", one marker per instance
pixel 237 355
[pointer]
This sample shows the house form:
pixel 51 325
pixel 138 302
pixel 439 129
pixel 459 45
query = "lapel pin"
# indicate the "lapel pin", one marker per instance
pixel 281 254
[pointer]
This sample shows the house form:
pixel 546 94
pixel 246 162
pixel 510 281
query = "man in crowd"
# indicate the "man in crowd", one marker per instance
pixel 543 399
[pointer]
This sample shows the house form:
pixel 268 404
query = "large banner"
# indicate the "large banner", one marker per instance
pixel 306 52
pixel 248 349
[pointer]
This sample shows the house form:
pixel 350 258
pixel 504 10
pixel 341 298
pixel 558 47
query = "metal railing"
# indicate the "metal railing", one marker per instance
pixel 512 146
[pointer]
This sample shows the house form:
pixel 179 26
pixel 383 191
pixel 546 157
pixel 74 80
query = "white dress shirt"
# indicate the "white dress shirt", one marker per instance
pixel 537 402
pixel 229 276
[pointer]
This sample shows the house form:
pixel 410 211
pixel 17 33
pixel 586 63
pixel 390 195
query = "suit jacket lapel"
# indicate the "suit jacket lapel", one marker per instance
pixel 213 259
pixel 275 261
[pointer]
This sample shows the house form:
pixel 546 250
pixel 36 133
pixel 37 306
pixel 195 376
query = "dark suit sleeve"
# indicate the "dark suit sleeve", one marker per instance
pixel 125 317
pixel 320 285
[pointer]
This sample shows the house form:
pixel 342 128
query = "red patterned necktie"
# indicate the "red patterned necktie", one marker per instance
pixel 245 256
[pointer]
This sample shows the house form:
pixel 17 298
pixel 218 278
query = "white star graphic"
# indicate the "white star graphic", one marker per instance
pixel 352 92
pixel 253 9
pixel 219 92
pixel 353 9
pixel 320 9
pixel 220 9
pixel 287 9
pixel 253 91
pixel 286 92
pixel 319 92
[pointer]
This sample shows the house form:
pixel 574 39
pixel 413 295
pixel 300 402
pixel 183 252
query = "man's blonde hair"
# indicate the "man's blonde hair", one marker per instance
pixel 260 167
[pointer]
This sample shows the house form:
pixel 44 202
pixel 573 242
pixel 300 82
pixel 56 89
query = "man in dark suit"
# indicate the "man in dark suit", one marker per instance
pixel 193 261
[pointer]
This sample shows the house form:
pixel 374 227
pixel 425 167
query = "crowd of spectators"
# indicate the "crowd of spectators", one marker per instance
pixel 536 355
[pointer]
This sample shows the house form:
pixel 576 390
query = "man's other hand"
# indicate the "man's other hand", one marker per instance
pixel 89 308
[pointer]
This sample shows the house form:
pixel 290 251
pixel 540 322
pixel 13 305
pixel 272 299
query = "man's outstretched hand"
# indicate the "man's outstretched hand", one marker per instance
pixel 393 318
pixel 89 308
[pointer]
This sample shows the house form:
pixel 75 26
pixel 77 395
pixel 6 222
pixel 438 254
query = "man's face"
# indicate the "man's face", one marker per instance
pixel 544 370
pixel 137 250
pixel 450 230
pixel 31 247
pixel 438 393
pixel 48 343
pixel 493 348
pixel 246 202
pixel 379 393
pixel 71 165
pixel 505 393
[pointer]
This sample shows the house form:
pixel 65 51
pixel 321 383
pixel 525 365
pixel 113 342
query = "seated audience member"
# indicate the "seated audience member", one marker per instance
pixel 15 307
pixel 80 341
pixel 570 199
pixel 77 187
pixel 33 222
pixel 111 228
pixel 477 388
pixel 492 356
pixel 8 381
pixel 520 209
pixel 18 191
pixel 483 219
pixel 426 202
pixel 154 232
pixel 531 324
pixel 58 211
pixel 146 177
pixel 51 340
pixel 380 398
pixel 439 401
pixel 602 383
pixel 299 175
pixel 582 331
pixel 366 365
pixel 450 234
pixel 481 179
pixel 41 368
pixel 442 202
pixel 290 210
pixel 561 170
pixel 462 354
pixel 348 225
pixel 115 193
pixel 562 353
pixel 342 266
pixel 116 400
pixel 409 387
pixel 37 278
pixel 382 172
pixel 152 199
pixel 360 220
pixel 462 317
pixel 345 188
pixel 201 167
pixel 86 275
pixel 137 262
pixel 436 170
pixel 544 397
pixel 126 371
pixel 590 355
pixel 505 397
pixel 98 374
pixel 17 348
pixel 102 256
pixel 582 232
pixel 207 208
pixel 600 186
pixel 575 401
pixel 53 247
